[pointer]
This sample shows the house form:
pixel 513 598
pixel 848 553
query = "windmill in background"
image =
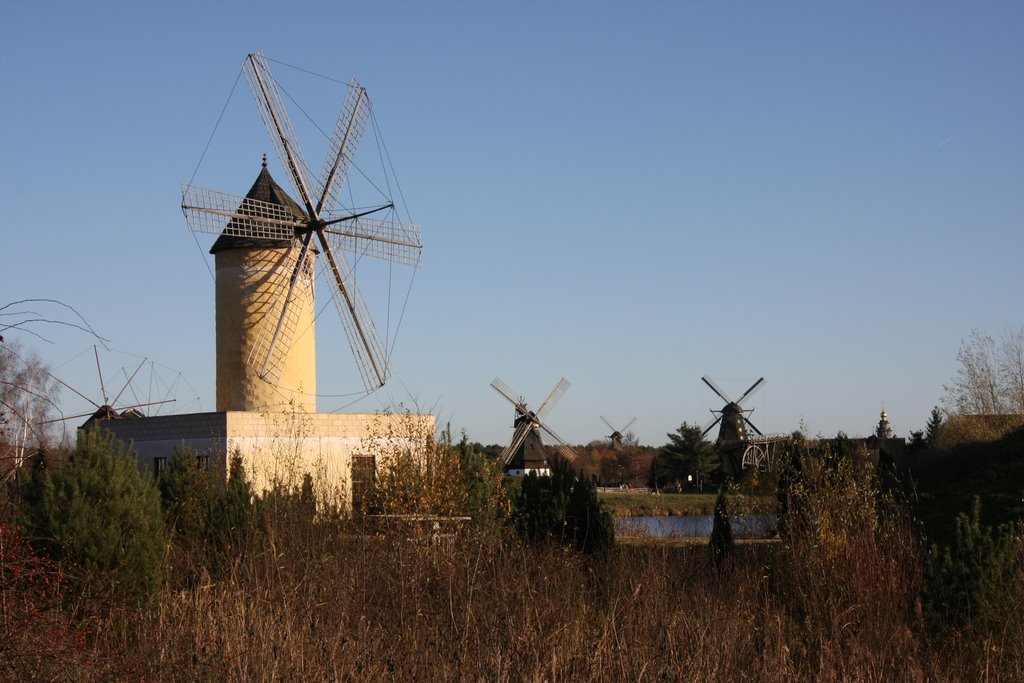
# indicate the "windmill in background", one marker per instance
pixel 110 409
pixel 525 453
pixel 617 434
pixel 732 435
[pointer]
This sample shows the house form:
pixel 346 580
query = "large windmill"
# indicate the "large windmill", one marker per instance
pixel 266 260
pixel 732 435
pixel 525 452
pixel 617 434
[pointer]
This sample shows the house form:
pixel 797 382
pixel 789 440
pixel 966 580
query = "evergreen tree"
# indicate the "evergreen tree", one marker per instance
pixel 970 580
pixel 932 429
pixel 686 453
pixel 484 480
pixel 563 507
pixel 721 543
pixel 917 442
pixel 234 511
pixel 187 495
pixel 100 512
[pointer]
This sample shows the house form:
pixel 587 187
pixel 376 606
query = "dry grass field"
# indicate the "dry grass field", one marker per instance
pixel 311 595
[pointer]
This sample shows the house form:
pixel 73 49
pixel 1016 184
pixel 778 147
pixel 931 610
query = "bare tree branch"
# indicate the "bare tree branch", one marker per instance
pixel 22 325
pixel 990 376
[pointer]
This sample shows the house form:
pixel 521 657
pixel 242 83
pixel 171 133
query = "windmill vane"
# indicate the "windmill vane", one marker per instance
pixel 525 452
pixel 266 252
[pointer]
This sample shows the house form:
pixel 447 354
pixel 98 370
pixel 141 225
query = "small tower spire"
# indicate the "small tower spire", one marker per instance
pixel 883 431
pixel 264 161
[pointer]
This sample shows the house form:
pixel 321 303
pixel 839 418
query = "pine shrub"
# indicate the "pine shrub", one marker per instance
pixel 98 511
pixel 563 507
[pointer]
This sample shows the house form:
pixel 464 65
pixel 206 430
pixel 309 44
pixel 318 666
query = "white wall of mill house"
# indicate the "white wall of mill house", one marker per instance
pixel 278 447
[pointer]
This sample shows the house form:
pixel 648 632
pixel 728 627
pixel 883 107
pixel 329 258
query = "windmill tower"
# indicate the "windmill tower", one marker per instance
pixel 525 452
pixel 617 434
pixel 250 276
pixel 732 435
pixel 266 261
pixel 272 251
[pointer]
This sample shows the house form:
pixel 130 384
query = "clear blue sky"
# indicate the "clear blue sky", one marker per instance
pixel 830 195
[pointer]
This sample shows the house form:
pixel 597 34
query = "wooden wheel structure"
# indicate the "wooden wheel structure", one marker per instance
pixel 761 451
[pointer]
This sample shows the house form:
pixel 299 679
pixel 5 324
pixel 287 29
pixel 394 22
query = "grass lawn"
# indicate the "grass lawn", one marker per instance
pixel 634 504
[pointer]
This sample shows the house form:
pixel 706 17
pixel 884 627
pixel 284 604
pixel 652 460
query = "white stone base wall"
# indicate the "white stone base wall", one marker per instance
pixel 278 448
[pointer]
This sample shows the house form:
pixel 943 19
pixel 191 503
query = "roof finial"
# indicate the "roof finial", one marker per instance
pixel 264 161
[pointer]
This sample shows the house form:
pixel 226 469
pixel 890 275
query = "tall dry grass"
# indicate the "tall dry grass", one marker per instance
pixel 334 604
pixel 324 597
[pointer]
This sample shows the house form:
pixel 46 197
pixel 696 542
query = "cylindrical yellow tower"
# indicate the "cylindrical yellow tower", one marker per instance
pixel 255 373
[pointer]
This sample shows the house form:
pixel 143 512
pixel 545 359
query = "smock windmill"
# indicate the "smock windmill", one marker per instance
pixel 525 452
pixel 266 260
pixel 732 435
pixel 617 434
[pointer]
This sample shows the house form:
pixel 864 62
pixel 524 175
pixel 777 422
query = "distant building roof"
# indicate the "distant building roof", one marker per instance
pixel 106 412
pixel 265 189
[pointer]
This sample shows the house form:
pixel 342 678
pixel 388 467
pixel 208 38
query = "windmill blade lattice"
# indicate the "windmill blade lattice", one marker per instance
pixel 708 426
pixel 367 347
pixel 518 437
pixel 714 387
pixel 389 240
pixel 561 445
pixel 505 390
pixel 275 118
pixel 751 391
pixel 614 430
pixel 751 425
pixel 553 397
pixel 280 324
pixel 214 213
pixel 348 132
pixel 209 211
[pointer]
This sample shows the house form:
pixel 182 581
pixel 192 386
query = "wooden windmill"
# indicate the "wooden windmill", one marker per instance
pixel 525 452
pixel 266 260
pixel 617 434
pixel 732 435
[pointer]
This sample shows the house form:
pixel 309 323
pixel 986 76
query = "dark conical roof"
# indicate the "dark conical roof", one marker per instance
pixel 265 189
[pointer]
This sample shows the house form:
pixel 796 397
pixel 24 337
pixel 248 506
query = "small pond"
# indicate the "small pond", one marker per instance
pixel 743 526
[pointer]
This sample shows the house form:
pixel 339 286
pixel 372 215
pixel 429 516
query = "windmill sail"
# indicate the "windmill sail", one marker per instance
pixel 525 452
pixel 268 218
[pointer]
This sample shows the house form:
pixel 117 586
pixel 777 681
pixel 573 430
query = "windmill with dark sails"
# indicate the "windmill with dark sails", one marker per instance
pixel 526 453
pixel 732 434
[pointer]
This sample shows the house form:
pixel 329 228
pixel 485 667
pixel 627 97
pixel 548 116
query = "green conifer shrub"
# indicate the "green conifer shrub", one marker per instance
pixel 233 517
pixel 187 495
pixel 721 544
pixel 973 579
pixel 563 507
pixel 99 512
